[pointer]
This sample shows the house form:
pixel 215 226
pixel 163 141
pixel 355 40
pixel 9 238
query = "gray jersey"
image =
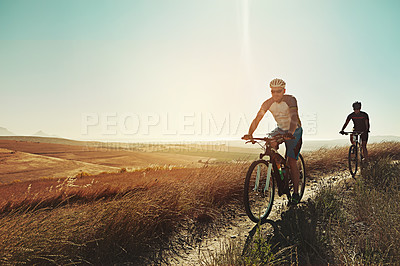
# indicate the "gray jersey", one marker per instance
pixel 281 111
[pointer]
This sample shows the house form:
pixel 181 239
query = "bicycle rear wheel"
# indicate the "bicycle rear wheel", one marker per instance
pixel 353 162
pixel 302 176
pixel 259 190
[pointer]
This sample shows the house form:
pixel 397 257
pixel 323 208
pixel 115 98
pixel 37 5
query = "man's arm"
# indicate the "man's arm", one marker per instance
pixel 345 124
pixel 367 124
pixel 293 113
pixel 293 119
pixel 256 121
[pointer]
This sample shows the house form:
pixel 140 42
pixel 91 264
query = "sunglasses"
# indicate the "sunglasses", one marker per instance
pixel 276 91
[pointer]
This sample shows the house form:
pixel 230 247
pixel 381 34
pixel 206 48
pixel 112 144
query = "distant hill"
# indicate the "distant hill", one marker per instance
pixel 5 132
pixel 312 144
pixel 383 138
pixel 46 140
pixel 40 133
pixel 309 145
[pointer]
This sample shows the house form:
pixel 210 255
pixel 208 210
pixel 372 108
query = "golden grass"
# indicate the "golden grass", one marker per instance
pixel 111 218
pixel 84 188
pixel 376 211
pixel 326 161
pixel 128 217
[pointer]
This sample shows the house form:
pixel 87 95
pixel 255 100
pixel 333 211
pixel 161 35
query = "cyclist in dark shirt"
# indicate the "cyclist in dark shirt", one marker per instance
pixel 361 124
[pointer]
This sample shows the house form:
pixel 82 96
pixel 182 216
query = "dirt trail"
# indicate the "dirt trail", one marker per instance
pixel 242 228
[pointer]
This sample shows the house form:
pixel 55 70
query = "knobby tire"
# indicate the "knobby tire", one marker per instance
pixel 353 160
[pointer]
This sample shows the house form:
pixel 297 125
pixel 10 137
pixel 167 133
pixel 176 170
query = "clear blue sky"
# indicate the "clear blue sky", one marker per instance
pixel 177 69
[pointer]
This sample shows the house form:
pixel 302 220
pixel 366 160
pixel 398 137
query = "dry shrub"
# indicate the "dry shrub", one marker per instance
pixel 325 161
pixel 377 212
pixel 382 174
pixel 370 233
pixel 374 232
pixel 383 149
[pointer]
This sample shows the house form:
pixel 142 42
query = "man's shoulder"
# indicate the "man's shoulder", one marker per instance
pixel 289 96
pixel 267 104
pixel 351 114
pixel 358 116
pixel 290 100
pixel 365 115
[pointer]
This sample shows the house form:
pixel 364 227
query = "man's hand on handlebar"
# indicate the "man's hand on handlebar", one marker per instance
pixel 247 137
pixel 288 136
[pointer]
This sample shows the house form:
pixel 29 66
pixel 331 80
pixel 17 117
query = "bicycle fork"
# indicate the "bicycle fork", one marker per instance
pixel 269 171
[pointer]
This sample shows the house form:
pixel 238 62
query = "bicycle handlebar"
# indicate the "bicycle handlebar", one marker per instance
pixel 353 132
pixel 278 138
pixel 252 140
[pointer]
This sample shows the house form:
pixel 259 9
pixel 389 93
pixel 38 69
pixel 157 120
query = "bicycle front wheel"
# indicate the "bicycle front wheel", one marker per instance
pixel 259 190
pixel 353 162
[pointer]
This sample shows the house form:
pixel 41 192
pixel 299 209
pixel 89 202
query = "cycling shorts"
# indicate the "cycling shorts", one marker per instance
pixel 293 146
pixel 364 136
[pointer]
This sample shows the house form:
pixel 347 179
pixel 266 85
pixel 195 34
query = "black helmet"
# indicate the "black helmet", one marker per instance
pixel 356 106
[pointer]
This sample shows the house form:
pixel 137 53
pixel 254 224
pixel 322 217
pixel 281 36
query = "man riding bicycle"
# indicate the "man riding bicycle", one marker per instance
pixel 285 112
pixel 361 123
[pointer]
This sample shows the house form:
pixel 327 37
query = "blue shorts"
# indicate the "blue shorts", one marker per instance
pixel 293 146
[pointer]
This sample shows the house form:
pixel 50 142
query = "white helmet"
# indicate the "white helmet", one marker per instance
pixel 277 83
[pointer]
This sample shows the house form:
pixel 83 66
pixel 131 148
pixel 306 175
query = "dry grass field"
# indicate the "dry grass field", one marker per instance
pixel 29 160
pixel 111 218
pixel 141 216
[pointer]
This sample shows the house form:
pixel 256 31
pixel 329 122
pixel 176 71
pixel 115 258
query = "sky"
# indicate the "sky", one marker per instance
pixel 152 70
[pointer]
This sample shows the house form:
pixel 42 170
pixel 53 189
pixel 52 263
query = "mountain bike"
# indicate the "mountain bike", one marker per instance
pixel 264 175
pixel 355 153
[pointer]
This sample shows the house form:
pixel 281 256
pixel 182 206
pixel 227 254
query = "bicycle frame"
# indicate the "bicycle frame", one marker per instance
pixel 355 133
pixel 357 150
pixel 267 146
pixel 275 157
pixel 356 138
